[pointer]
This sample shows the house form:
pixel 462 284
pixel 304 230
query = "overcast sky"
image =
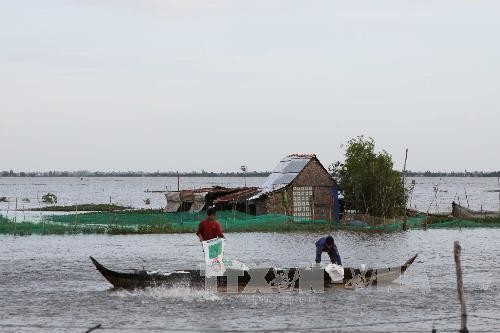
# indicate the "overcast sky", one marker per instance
pixel 189 85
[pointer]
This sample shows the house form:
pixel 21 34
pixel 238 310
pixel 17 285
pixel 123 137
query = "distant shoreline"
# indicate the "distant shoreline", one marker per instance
pixel 84 174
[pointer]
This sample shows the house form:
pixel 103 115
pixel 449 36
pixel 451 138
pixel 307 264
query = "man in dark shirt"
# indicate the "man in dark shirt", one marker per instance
pixel 209 228
pixel 326 244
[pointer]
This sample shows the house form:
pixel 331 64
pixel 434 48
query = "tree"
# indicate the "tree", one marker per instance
pixel 368 181
pixel 49 198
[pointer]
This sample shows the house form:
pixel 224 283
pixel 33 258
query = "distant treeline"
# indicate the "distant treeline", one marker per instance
pixel 453 174
pixel 85 173
pixel 203 173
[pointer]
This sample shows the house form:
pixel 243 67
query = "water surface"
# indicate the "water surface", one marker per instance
pixel 430 193
pixel 48 284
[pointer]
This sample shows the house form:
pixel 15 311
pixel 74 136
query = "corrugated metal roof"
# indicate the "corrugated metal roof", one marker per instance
pixel 243 194
pixel 284 173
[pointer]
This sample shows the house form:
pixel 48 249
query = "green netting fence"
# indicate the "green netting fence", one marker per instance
pixel 154 221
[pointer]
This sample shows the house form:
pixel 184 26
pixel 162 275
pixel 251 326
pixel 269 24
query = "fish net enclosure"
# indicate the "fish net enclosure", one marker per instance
pixel 157 221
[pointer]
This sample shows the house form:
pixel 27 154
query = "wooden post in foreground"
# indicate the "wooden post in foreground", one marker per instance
pixel 460 287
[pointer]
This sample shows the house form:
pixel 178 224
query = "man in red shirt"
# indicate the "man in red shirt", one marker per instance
pixel 209 228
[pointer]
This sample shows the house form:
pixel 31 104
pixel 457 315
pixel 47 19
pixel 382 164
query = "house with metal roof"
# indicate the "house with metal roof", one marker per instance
pixel 299 186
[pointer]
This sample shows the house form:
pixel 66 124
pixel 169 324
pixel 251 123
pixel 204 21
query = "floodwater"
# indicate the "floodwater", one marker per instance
pixel 430 193
pixel 48 284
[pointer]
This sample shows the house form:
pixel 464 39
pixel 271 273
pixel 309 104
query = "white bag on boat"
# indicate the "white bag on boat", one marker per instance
pixel 214 254
pixel 215 264
pixel 336 273
pixel 213 250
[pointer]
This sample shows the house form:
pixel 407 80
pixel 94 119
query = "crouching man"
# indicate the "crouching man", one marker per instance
pixel 326 244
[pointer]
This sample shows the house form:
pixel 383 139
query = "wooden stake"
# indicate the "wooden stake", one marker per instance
pixel 460 288
pixel 41 214
pixel 498 182
pixel 466 197
pixel 178 182
pixel 15 218
pixel 404 167
pixel 76 214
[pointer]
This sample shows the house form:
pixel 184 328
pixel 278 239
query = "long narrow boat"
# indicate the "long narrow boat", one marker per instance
pixel 253 280
pixel 462 212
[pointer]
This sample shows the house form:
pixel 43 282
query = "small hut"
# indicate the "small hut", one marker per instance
pixel 195 200
pixel 299 186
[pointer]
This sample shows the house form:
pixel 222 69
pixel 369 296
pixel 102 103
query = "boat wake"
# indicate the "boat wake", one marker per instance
pixel 180 293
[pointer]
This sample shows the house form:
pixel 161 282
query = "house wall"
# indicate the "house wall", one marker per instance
pixel 260 206
pixel 313 175
pixel 274 202
pixel 319 179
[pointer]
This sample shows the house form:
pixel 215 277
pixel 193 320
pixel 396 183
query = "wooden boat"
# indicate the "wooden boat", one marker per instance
pixel 253 280
pixel 462 212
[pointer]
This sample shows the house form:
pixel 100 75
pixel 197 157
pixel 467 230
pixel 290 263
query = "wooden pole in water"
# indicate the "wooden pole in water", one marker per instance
pixel 498 182
pixel 405 225
pixel 404 166
pixel 460 288
pixel 76 214
pixel 15 218
pixel 178 182
pixel 466 197
pixel 41 214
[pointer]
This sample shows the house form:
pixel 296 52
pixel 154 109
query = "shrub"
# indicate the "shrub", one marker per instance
pixel 368 181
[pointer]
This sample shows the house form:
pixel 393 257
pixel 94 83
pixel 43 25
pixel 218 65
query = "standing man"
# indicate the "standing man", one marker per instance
pixel 209 228
pixel 326 244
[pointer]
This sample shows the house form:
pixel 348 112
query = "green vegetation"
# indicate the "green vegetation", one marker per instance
pixel 49 198
pixel 368 181
pixel 82 208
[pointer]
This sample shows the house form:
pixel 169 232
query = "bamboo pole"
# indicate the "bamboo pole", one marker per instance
pixel 76 215
pixel 460 288
pixel 15 218
pixel 41 214
pixel 466 197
